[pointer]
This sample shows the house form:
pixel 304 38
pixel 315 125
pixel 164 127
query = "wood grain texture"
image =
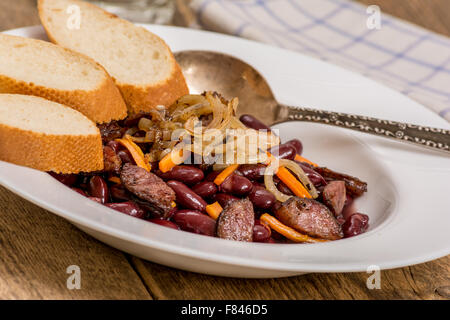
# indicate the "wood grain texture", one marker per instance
pixel 424 281
pixel 36 246
pixel 18 13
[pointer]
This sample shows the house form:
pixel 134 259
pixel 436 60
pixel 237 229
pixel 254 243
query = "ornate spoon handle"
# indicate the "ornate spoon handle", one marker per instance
pixel 437 139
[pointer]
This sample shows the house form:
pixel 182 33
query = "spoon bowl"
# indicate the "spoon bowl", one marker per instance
pixel 231 77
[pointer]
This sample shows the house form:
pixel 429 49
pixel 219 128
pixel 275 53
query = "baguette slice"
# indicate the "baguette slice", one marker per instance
pixel 40 68
pixel 140 62
pixel 48 136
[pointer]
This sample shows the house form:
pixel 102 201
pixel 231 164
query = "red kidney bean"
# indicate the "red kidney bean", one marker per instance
pixel 95 199
pixel 129 208
pixel 356 224
pixel 83 181
pixel 98 188
pixel 236 185
pixel 252 122
pixel 125 156
pixel 252 171
pixel 276 180
pixel 297 144
pixel 114 145
pixel 224 199
pixel 165 223
pixel 259 184
pixel 187 174
pixel 261 232
pixel 212 175
pixel 67 179
pixel 205 189
pixel 270 240
pixel 186 197
pixel 284 188
pixel 79 191
pixel 261 198
pixel 118 192
pixel 283 151
pixel 314 176
pixel 195 221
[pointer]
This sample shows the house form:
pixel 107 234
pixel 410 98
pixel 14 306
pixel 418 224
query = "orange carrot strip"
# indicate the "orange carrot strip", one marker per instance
pixel 225 173
pixel 171 160
pixel 292 183
pixel 135 152
pixel 301 159
pixel 115 180
pixel 290 180
pixel 214 210
pixel 173 204
pixel 286 231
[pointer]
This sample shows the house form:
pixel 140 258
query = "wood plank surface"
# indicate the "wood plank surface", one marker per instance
pixel 424 281
pixel 18 13
pixel 36 246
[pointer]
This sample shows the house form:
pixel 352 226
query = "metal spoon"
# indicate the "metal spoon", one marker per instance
pixel 205 70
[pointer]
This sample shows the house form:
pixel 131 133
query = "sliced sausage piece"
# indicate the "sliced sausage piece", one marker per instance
pixel 334 197
pixel 111 160
pixel 310 217
pixel 354 186
pixel 148 187
pixel 236 221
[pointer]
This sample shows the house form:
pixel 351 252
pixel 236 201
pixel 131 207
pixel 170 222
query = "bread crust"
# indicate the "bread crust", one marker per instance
pixel 101 105
pixel 146 98
pixel 138 98
pixel 49 152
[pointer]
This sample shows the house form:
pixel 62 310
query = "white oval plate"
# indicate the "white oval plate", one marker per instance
pixel 408 200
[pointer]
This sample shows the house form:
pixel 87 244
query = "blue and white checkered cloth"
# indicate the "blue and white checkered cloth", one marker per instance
pixel 406 57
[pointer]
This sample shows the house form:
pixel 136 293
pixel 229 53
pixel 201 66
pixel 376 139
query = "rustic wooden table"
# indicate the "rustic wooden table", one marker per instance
pixel 36 246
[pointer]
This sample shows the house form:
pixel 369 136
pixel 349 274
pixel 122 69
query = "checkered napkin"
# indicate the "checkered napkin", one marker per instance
pixel 405 57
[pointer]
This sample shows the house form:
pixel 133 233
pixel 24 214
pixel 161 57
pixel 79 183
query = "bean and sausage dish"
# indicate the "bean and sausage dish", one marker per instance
pixel 196 167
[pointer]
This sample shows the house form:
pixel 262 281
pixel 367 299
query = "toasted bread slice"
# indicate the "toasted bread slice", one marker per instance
pixel 141 64
pixel 40 68
pixel 48 136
